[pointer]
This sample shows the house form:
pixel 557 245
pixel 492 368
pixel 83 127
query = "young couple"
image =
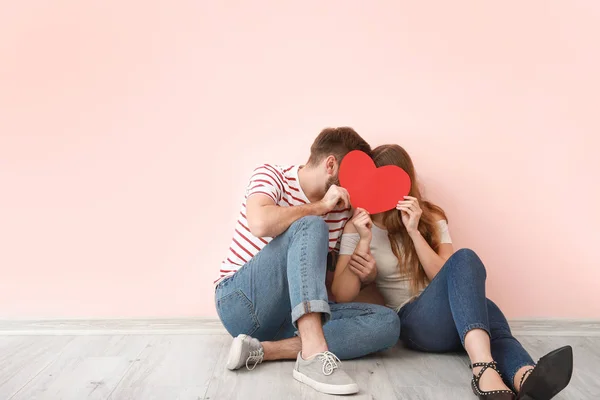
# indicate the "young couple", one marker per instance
pixel 396 276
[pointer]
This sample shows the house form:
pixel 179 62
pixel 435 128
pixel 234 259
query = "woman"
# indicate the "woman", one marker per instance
pixel 439 294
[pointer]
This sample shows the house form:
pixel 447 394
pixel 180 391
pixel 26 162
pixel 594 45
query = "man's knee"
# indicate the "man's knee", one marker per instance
pixel 315 225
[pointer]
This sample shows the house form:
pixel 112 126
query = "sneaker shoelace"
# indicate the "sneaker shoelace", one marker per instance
pixel 255 358
pixel 330 362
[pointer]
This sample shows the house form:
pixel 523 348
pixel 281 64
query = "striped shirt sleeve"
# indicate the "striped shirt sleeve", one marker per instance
pixel 266 181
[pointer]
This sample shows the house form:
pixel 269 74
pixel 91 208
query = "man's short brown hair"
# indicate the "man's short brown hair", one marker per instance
pixel 337 142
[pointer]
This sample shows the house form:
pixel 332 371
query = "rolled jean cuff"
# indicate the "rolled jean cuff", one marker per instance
pixel 470 327
pixel 311 306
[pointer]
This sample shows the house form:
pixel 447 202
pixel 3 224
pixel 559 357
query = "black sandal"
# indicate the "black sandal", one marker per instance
pixel 492 394
pixel 525 376
pixel 550 376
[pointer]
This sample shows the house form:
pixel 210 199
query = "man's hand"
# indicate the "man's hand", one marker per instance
pixel 335 196
pixel 363 265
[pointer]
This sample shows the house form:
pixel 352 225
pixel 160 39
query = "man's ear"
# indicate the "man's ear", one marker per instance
pixel 331 165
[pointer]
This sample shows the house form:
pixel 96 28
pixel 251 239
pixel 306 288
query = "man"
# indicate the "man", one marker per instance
pixel 272 284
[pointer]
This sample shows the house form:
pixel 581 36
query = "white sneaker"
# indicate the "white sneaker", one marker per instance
pixel 245 350
pixel 323 373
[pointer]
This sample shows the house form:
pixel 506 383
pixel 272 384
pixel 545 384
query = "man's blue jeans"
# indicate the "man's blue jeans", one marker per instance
pixel 453 304
pixel 285 281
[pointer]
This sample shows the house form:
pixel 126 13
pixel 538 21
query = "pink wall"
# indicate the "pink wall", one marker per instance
pixel 128 130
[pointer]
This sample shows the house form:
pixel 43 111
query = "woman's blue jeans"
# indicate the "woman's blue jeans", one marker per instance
pixel 455 303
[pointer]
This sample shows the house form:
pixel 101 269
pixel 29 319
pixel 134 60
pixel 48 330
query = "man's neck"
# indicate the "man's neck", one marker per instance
pixel 308 183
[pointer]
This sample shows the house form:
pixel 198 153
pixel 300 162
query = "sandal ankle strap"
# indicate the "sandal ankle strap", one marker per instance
pixel 485 365
pixel 529 371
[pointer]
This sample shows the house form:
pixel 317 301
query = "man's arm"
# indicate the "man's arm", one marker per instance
pixel 266 219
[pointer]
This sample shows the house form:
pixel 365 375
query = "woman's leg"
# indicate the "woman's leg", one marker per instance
pixel 457 296
pixel 452 311
pixel 551 375
pixel 513 360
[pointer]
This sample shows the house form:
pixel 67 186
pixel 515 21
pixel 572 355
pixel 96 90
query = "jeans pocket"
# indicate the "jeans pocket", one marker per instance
pixel 237 314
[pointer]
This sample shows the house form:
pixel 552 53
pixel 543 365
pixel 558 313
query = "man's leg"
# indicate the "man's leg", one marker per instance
pixel 358 329
pixel 255 300
pixel 355 330
pixel 306 268
pixel 287 277
pixel 255 294
pixel 285 349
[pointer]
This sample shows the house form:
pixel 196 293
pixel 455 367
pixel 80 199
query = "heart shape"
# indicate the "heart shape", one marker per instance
pixel 374 189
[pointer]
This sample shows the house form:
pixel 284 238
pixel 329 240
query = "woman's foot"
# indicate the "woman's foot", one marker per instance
pixel 487 382
pixel 521 376
pixel 490 380
pixel 550 376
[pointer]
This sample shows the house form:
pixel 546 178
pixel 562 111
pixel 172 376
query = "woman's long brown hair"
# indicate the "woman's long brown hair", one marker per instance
pixel 402 245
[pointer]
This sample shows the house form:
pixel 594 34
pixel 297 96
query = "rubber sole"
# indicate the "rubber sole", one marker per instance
pixel 235 352
pixel 550 376
pixel 324 387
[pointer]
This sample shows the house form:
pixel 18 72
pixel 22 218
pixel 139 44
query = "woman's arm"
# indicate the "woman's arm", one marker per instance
pixel 431 261
pixel 354 251
pixel 346 284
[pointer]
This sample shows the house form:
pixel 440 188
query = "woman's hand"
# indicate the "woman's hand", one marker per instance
pixel 363 224
pixel 411 213
pixel 363 265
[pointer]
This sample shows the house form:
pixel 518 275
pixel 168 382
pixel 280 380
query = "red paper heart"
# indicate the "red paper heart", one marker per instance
pixel 374 189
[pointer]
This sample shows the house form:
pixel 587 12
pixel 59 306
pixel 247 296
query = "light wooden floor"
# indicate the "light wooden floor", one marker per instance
pixel 192 366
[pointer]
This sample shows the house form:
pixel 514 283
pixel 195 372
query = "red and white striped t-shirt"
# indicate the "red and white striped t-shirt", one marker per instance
pixel 280 184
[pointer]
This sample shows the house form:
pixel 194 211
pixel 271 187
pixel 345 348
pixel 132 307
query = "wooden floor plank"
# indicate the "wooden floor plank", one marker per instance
pixel 89 367
pixel 270 380
pixel 585 383
pixel 172 367
pixel 408 368
pixel 372 377
pixel 23 358
pixel 192 367
pixel 433 393
pixel 369 373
